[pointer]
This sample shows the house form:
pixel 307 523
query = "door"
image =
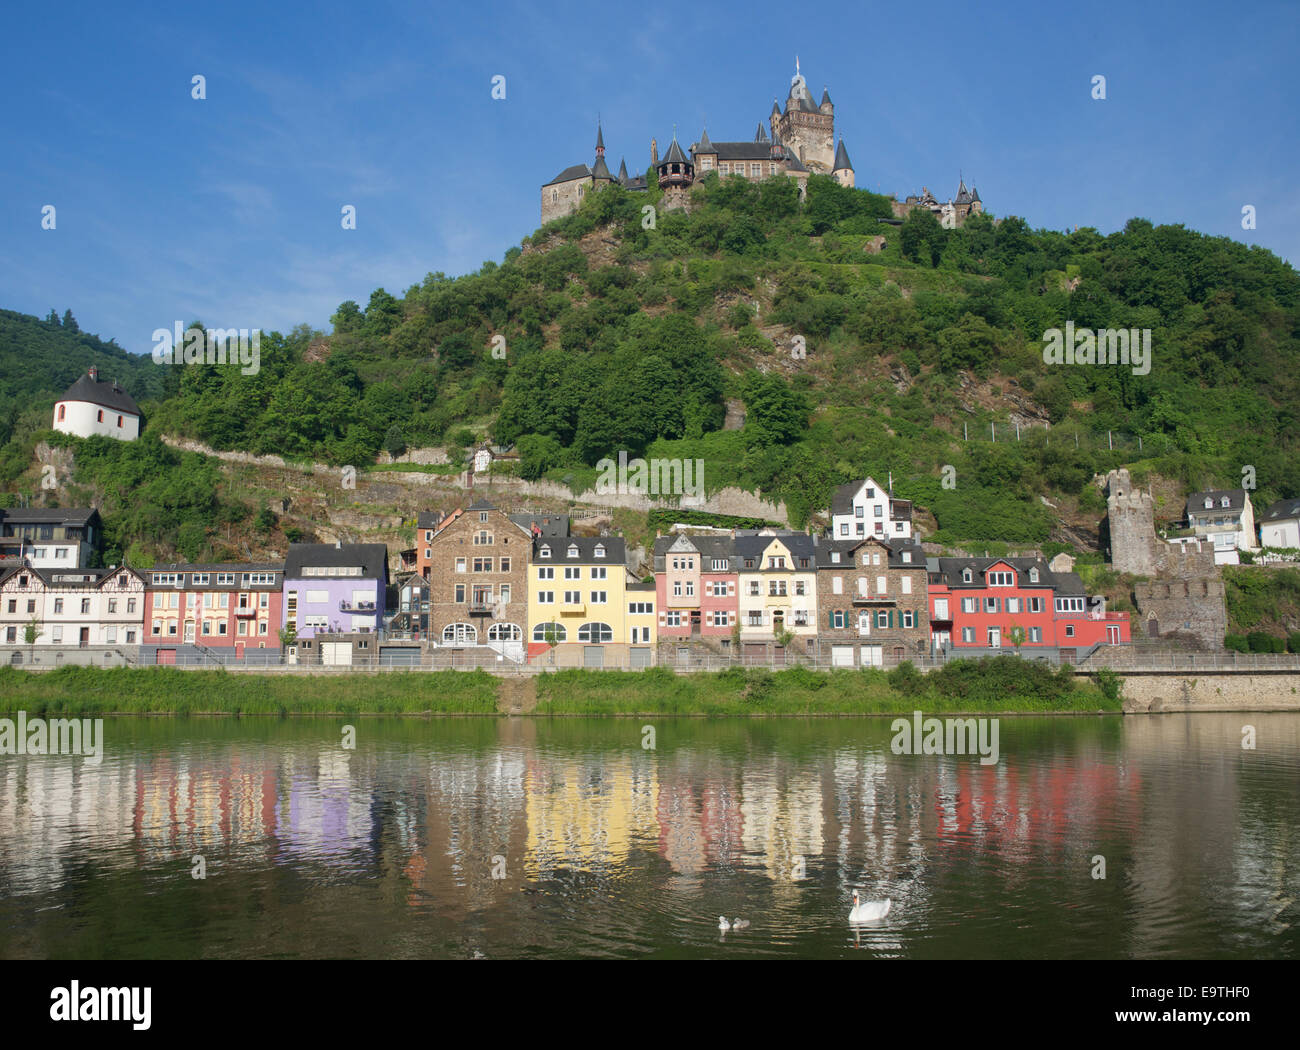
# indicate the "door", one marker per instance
pixel 864 623
pixel 639 657
pixel 336 654
pixel 85 637
pixel 995 637
pixel 841 656
pixel 593 656
pixel 165 657
pixel 1112 635
pixel 189 632
pixel 1153 628
pixel 873 656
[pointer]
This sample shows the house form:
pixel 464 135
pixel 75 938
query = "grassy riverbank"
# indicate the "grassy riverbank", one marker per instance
pixel 1005 684
pixel 991 685
pixel 167 690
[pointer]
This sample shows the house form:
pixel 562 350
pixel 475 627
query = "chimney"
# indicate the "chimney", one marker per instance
pixel 94 374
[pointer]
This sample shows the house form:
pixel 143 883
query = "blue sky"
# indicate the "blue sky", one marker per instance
pixel 227 209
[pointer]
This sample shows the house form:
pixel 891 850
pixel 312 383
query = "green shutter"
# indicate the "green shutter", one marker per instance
pixel 830 617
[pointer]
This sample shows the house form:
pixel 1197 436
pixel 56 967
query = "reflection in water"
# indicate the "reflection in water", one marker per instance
pixel 526 837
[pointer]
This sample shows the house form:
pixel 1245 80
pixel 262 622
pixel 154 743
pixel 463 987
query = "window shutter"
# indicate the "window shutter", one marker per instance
pixel 830 618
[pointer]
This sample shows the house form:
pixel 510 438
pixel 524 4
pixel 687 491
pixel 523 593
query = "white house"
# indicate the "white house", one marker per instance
pixel 50 537
pixel 90 407
pixel 863 508
pixel 73 607
pixel 1226 517
pixel 1279 526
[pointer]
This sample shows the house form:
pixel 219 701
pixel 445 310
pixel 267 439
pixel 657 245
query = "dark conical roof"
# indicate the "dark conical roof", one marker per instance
pixel 600 170
pixel 776 108
pixel 975 195
pixel 97 392
pixel 842 158
pixel 826 97
pixel 622 170
pixel 963 194
pixel 600 139
pixel 705 146
pixel 674 155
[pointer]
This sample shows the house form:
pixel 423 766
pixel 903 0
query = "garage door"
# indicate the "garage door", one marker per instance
pixel 639 657
pixel 165 656
pixel 873 656
pixel 755 652
pixel 336 653
pixel 399 656
pixel 593 656
pixel 841 656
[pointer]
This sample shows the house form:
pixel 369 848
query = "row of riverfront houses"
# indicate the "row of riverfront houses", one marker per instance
pixel 518 588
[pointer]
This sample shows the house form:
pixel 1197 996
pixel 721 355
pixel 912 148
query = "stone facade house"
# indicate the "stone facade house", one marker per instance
pixel 477 568
pixel 871 600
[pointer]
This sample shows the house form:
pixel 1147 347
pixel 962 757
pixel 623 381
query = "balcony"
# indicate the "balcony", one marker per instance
pixel 873 599
pixel 482 609
pixel 573 609
pixel 356 607
pixel 246 613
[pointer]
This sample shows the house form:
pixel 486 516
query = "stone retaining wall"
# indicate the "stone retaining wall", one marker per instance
pixel 1258 691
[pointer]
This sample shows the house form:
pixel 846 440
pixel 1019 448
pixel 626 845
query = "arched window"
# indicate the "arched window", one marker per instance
pixel 555 196
pixel 99 416
pixel 504 632
pixel 595 632
pixel 63 409
pixel 558 629
pixel 460 634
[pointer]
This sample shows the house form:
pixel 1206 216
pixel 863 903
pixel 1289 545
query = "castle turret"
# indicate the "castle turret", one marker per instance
pixel 826 107
pixel 676 176
pixel 599 170
pixel 843 170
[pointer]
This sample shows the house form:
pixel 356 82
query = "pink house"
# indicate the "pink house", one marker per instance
pixel 696 586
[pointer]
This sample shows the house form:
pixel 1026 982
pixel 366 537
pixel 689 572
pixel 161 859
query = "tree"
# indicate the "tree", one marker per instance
pixel 32 631
pixel 70 322
pixel 347 318
pixel 394 442
pixel 551 639
pixel 288 635
pixel 1016 635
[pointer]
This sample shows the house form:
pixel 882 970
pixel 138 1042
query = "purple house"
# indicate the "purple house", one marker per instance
pixel 335 587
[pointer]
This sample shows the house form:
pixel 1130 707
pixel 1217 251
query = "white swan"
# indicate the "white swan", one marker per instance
pixel 868 911
pixel 739 924
pixel 723 924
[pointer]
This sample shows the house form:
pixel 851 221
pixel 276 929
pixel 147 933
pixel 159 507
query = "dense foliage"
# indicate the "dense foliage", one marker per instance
pixel 622 334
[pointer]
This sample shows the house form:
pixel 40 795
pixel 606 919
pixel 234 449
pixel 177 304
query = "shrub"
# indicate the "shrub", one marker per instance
pixel 1236 643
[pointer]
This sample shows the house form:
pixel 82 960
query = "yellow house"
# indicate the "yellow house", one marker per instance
pixel 778 590
pixel 577 598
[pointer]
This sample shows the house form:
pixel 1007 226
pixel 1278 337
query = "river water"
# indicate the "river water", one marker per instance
pixel 558 838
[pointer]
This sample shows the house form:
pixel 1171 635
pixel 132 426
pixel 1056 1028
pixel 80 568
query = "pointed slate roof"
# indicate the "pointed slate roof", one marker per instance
pixel 600 138
pixel 600 171
pixel 760 133
pixel 776 108
pixel 975 195
pixel 826 97
pixel 963 194
pixel 842 158
pixel 704 145
pixel 674 155
pixel 622 170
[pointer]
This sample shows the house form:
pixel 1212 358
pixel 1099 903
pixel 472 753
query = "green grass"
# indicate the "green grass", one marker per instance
pixel 163 690
pixel 798 691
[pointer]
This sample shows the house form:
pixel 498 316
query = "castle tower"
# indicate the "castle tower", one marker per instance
pixel 808 129
pixel 1130 518
pixel 676 177
pixel 600 170
pixel 843 170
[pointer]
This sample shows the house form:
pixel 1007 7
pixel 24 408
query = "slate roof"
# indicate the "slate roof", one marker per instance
pixel 577 171
pixel 1282 511
pixel 99 392
pixel 1236 500
pixel 615 550
pixel 550 524
pixel 48 516
pixel 372 557
pixel 950 570
pixel 842 157
pixel 963 194
pixel 674 155
pixel 600 171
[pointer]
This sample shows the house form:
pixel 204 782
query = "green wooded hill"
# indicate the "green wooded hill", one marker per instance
pixel 627 333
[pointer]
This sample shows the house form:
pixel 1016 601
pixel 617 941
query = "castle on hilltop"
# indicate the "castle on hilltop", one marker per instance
pixel 796 142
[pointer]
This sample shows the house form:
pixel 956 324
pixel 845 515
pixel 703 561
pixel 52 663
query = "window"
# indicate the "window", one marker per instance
pixel 599 552
pixel 228 578
pixel 753 588
pixel 640 608
pixel 1035 604
pixel 1069 630
pixel 755 171
pixel 545 597
pixel 461 564
pixel 572 552
pixel 721 618
pixel 504 632
pixel 505 564
pixel 1069 605
pixel 882 618
pixel 505 594
pixel 970 605
pixel 595 632
pixel 482 564
pixel 99 416
pixel 965 576
pixel 1035 634
pixel 482 538
pixel 199 579
pixel 85 606
pixel 677 588
pixel 557 631
pixel 992 605
pixel 598 572
pixel 572 597
pixel 882 585
pixel 483 516
pixel 907 584
pixel 672 619
pixel 112 605
pixel 130 605
pixel 837 585
pixel 62 412
pixel 909 618
pixel 460 592
pixel 1002 579
pixel 776 562
pixel 546 572
pixel 460 634
pixel 544 551
pixel 1033 575
pixel 837 618
pixel 598 597
pixel 573 572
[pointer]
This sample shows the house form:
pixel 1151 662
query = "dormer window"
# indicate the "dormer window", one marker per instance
pixel 907 556
pixel 1033 575
pixel 966 576
pixel 573 550
pixel 599 552
pixel 1225 502
pixel 544 551
pixel 835 556
pixel 1209 503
